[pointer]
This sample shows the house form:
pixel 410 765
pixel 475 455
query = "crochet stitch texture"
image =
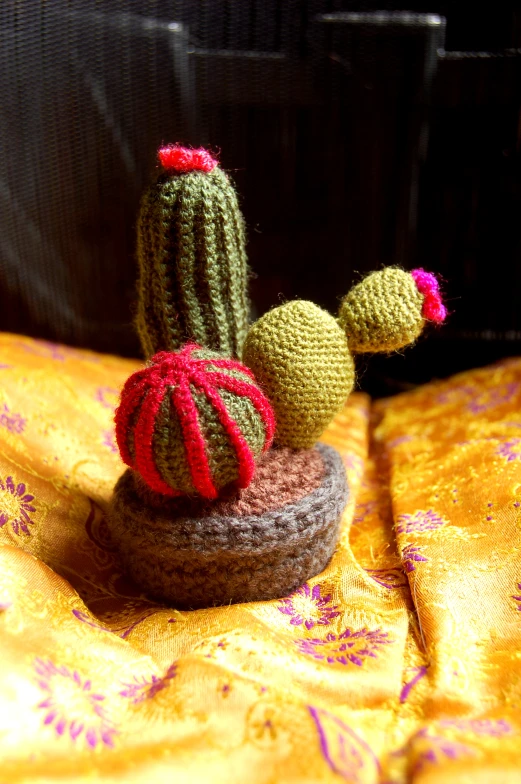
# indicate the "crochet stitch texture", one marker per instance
pixel 383 312
pixel 193 423
pixel 203 555
pixel 300 356
pixel 191 257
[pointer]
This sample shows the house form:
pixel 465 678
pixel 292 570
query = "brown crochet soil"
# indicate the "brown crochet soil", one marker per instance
pixel 283 476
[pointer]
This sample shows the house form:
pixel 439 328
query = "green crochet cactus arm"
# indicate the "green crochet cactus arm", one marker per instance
pixel 191 255
pixel 302 356
pixel 388 309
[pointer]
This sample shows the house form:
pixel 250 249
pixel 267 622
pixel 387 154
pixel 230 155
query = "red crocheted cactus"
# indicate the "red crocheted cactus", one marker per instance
pixel 193 422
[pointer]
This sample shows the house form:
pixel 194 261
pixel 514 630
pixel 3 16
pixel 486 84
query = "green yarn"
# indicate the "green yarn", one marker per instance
pixel 222 459
pixel 383 312
pixel 170 453
pixel 192 264
pixel 300 357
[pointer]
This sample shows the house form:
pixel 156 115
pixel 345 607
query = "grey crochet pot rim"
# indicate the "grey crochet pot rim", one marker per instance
pixel 194 562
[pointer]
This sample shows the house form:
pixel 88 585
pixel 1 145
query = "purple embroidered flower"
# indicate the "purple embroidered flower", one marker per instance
pixel 72 706
pixel 438 748
pixel 363 510
pixel 410 556
pixel 346 752
pixel 15 505
pixel 494 728
pixel 109 440
pixel 308 606
pixel 388 578
pixel 510 449
pixel 349 647
pixel 107 396
pixel 15 423
pixel 44 348
pixel 455 394
pixel 394 442
pixel 146 688
pixel 491 398
pixel 419 522
pixel 518 598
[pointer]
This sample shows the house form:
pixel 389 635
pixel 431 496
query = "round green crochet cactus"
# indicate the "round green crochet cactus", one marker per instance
pixel 300 356
pixel 191 255
pixel 193 422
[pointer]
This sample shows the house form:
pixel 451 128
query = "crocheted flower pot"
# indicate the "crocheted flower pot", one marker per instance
pixel 260 544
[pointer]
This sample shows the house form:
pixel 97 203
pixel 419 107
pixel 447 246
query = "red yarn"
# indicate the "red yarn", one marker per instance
pixel 433 308
pixel 179 371
pixel 258 399
pixel 144 434
pixel 239 443
pixel 184 159
pixel 193 440
pixel 130 398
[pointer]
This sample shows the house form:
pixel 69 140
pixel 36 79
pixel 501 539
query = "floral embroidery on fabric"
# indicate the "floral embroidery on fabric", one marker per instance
pixel 147 688
pixel 349 647
pixel 435 748
pixel 15 505
pixel 398 441
pixel 419 673
pixel 345 752
pixel 122 631
pixel 15 423
pixel 510 449
pixel 419 522
pixel 490 398
pixel 363 510
pixel 411 556
pixel 484 401
pixel 72 707
pixel 307 606
pixel 44 348
pixel 517 599
pixel 494 728
pixel 455 394
pixel 388 578
pixel 107 396
pixel 109 440
pixel 263 727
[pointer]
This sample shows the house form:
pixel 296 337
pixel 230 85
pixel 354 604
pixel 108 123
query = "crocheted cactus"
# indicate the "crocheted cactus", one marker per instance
pixel 302 356
pixel 193 422
pixel 388 309
pixel 191 255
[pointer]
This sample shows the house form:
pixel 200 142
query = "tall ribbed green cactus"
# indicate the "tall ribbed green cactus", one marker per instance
pixel 192 260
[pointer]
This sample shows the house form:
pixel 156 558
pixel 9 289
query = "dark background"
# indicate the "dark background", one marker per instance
pixel 358 135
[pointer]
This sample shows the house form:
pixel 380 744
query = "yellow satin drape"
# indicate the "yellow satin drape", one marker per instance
pixel 401 662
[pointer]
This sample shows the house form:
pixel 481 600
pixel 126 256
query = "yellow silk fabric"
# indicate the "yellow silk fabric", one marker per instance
pixel 400 662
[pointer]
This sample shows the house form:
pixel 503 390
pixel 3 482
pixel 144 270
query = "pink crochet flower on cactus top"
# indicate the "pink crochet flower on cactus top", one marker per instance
pixel 174 157
pixel 433 307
